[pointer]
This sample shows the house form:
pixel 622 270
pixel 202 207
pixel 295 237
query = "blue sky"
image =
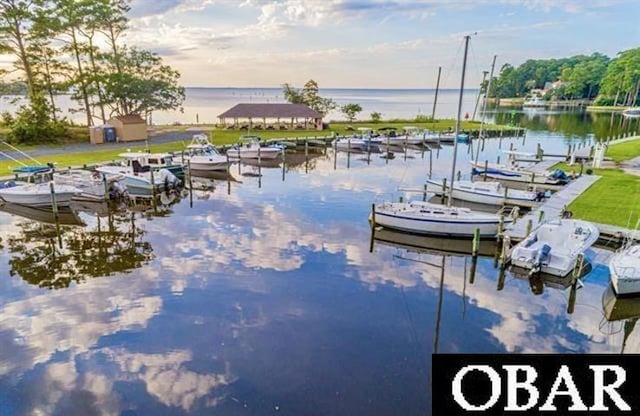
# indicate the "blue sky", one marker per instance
pixel 375 43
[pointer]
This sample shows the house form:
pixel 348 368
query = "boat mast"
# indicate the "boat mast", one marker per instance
pixel 457 129
pixel 484 106
pixel 435 99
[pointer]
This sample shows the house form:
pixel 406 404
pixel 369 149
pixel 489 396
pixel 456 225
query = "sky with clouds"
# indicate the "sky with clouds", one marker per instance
pixel 375 43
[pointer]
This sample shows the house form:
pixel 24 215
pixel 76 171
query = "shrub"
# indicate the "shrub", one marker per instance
pixel 32 124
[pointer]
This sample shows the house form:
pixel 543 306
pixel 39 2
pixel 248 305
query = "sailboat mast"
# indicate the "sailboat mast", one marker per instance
pixel 435 99
pixel 457 129
pixel 484 105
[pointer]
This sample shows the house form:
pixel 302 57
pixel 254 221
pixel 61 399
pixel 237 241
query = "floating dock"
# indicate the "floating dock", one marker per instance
pixel 553 208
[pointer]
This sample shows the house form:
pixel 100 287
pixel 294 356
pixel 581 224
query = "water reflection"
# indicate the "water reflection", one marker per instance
pixel 257 295
pixel 53 257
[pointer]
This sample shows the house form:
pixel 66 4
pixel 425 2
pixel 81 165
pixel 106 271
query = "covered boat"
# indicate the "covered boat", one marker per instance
pixel 488 193
pixel 554 246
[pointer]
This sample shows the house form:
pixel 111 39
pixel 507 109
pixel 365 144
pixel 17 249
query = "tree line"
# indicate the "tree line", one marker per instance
pixel 609 81
pixel 76 47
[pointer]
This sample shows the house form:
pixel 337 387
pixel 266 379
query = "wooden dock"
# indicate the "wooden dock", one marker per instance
pixel 552 208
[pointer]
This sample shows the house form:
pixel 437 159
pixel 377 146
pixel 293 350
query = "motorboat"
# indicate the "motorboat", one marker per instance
pixel 624 267
pixel 138 177
pixel 34 188
pixel 203 156
pixel 632 112
pixel 250 148
pixel 355 143
pixel 428 218
pixel 435 219
pixel 488 193
pixel 449 137
pixel 94 186
pixel 154 161
pixel 553 246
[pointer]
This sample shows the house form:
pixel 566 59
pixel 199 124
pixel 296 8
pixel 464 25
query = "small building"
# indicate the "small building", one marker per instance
pixel 267 116
pixel 129 128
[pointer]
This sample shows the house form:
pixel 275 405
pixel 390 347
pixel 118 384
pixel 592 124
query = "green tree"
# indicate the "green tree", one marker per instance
pixel 350 111
pixel 310 96
pixel 375 117
pixel 622 78
pixel 144 85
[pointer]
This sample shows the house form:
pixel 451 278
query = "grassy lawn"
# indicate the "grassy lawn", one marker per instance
pixel 614 199
pixel 220 137
pixel 624 151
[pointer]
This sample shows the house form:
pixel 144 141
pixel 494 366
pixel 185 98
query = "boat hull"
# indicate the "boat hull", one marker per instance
pixel 485 198
pixel 63 199
pixel 412 220
pixel 264 153
pixel 624 268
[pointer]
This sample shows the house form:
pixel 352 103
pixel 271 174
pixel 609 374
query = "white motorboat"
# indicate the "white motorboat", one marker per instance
pixel 429 218
pixel 435 219
pixel 34 188
pixel 137 177
pixel 624 267
pixel 355 143
pixel 250 148
pixel 155 161
pixel 38 194
pixel 93 186
pixel 553 246
pixel 488 193
pixel 632 112
pixel 203 156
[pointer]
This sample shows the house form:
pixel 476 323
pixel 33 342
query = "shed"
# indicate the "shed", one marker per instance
pixel 130 127
pixel 271 117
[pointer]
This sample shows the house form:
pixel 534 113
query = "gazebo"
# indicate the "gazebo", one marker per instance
pixel 269 116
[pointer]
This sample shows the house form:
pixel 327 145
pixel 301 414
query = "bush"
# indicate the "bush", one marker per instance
pixel 600 100
pixel 589 171
pixel 32 124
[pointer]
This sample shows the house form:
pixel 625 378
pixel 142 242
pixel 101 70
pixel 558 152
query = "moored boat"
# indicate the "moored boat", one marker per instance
pixel 488 193
pixel 250 148
pixel 624 267
pixel 35 188
pixel 632 112
pixel 553 247
pixel 203 156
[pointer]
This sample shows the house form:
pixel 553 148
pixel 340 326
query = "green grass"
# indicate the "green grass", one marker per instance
pixel 614 199
pixel 624 151
pixel 605 108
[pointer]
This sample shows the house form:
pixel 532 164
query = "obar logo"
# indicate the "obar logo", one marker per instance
pixel 534 384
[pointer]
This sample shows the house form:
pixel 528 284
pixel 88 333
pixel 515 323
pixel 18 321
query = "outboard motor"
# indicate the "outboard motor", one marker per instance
pixel 543 255
pixel 540 195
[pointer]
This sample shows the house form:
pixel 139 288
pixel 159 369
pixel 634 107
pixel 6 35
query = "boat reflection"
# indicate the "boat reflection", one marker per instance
pixel 433 244
pixel 625 310
pixel 65 215
pixel 54 257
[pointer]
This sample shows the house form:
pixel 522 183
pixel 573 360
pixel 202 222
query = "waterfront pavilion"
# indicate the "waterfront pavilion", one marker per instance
pixel 269 116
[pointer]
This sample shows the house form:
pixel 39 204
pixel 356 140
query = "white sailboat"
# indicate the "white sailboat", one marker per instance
pixel 488 193
pixel 553 247
pixel 624 267
pixel 429 218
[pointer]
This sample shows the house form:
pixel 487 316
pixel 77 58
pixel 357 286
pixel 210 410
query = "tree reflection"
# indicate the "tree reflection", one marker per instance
pixel 53 257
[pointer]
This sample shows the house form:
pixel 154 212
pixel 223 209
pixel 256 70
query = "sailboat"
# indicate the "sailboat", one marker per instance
pixel 429 218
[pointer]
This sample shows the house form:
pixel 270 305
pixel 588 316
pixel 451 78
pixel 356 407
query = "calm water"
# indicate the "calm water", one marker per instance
pixel 260 296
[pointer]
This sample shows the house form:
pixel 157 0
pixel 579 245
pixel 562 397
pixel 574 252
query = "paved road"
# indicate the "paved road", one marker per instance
pixel 42 151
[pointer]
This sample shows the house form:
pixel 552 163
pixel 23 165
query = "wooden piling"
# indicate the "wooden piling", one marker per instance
pixel 444 190
pixel 486 168
pixel 54 203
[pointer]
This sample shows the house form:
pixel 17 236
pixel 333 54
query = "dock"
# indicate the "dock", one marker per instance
pixel 552 208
